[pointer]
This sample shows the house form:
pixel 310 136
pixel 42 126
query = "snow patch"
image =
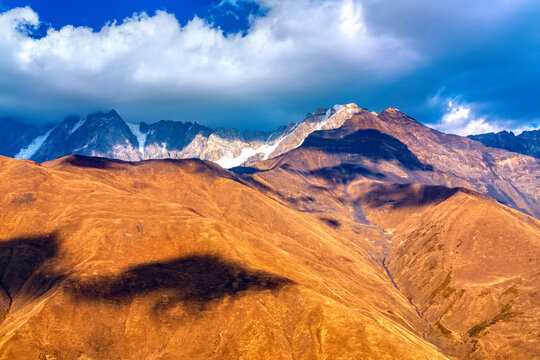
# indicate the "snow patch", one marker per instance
pixel 141 137
pixel 325 120
pixel 33 147
pixel 230 161
pixel 77 125
pixel 327 117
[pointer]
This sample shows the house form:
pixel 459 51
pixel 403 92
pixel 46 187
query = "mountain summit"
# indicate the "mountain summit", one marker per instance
pixel 106 134
pixel 394 147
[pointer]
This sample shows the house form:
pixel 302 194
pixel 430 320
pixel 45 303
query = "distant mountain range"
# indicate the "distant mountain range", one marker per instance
pixel 106 134
pixel 528 142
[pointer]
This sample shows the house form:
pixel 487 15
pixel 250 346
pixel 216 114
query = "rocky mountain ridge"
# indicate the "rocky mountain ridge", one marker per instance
pixel 527 143
pixel 177 140
pixel 391 146
pixel 412 152
pixel 106 134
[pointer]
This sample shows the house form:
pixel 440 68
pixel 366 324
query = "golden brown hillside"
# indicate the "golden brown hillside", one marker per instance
pixel 469 264
pixel 102 259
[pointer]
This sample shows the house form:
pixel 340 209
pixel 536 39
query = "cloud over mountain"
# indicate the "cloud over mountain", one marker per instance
pixel 151 57
pixel 292 57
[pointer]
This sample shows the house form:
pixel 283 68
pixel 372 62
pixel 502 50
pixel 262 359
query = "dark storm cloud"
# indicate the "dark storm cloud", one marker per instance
pixel 485 55
pixel 468 66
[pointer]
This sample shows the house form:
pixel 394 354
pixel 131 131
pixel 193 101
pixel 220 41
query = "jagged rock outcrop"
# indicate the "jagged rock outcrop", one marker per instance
pixel 98 134
pixel 168 139
pixel 107 134
pixel 527 143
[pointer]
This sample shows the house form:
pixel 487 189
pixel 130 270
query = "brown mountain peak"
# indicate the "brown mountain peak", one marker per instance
pixel 361 119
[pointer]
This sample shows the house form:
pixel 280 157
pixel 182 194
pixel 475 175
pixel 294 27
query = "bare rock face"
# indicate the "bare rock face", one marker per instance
pixel 98 134
pixel 231 148
pixel 16 136
pixel 527 143
pixel 378 144
pixel 168 139
pixel 108 135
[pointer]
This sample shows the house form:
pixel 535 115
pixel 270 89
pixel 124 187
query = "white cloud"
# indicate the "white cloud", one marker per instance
pixel 459 119
pixel 295 46
pixel 351 19
pixel 529 127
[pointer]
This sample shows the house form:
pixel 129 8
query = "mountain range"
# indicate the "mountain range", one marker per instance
pixel 528 142
pixel 106 134
pixel 351 235
pixel 452 160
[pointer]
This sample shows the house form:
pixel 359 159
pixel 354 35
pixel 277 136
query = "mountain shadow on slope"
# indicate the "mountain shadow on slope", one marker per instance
pixel 26 272
pixel 407 195
pixel 344 173
pixel 25 268
pixel 91 162
pixel 194 165
pixel 194 280
pixel 372 144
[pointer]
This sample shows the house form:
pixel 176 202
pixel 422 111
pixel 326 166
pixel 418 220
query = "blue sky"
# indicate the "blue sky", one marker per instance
pixel 461 66
pixel 97 13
